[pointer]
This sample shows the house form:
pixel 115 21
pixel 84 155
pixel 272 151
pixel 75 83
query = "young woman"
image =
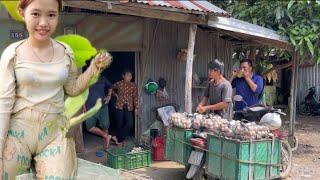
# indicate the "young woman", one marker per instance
pixel 35 75
pixel 127 103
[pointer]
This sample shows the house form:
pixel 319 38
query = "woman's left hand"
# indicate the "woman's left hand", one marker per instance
pixel 102 60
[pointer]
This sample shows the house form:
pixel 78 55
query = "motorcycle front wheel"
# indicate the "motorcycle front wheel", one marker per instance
pixel 304 110
pixel 286 159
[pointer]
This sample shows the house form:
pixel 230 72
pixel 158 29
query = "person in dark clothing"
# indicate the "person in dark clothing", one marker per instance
pixel 127 105
pixel 99 123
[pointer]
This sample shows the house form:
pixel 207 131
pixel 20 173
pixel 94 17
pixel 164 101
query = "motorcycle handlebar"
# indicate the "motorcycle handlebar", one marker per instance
pixel 267 109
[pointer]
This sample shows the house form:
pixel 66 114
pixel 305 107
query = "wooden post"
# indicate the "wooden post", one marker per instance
pixel 252 54
pixel 293 97
pixel 188 82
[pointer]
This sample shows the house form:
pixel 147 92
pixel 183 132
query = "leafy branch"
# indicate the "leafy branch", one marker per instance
pixel 298 20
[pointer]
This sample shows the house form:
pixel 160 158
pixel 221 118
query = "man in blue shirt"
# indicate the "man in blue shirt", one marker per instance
pixel 248 84
pixel 99 123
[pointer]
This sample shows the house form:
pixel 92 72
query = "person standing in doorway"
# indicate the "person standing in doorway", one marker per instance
pixel 127 105
pixel 217 96
pixel 247 84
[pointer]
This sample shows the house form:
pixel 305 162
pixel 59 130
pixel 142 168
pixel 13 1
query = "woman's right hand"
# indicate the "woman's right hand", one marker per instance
pixel 102 60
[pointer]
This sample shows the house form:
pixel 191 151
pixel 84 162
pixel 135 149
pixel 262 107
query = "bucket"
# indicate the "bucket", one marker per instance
pixel 158 149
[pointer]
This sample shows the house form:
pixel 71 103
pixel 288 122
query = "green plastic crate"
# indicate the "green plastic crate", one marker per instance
pixel 177 146
pixel 230 159
pixel 120 158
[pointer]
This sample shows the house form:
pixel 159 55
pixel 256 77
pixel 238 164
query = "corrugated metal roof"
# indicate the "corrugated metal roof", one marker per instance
pixel 195 5
pixel 252 30
pixel 236 25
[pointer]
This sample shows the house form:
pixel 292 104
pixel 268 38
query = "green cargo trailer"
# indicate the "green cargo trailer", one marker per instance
pixel 243 160
pixel 177 146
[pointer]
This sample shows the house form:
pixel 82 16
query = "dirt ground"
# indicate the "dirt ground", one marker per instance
pixel 306 159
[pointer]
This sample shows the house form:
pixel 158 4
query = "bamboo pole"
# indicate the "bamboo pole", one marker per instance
pixel 188 82
pixel 293 99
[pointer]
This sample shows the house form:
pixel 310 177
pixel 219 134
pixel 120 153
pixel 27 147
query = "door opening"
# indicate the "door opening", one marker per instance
pixel 121 61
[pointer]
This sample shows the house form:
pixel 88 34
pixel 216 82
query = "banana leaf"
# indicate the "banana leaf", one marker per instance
pixel 82 117
pixel 83 51
pixel 73 104
pixel 81 46
pixel 12 8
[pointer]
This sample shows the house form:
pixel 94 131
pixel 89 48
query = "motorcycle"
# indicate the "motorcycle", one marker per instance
pixel 264 115
pixel 310 105
pixel 269 117
pixel 197 159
